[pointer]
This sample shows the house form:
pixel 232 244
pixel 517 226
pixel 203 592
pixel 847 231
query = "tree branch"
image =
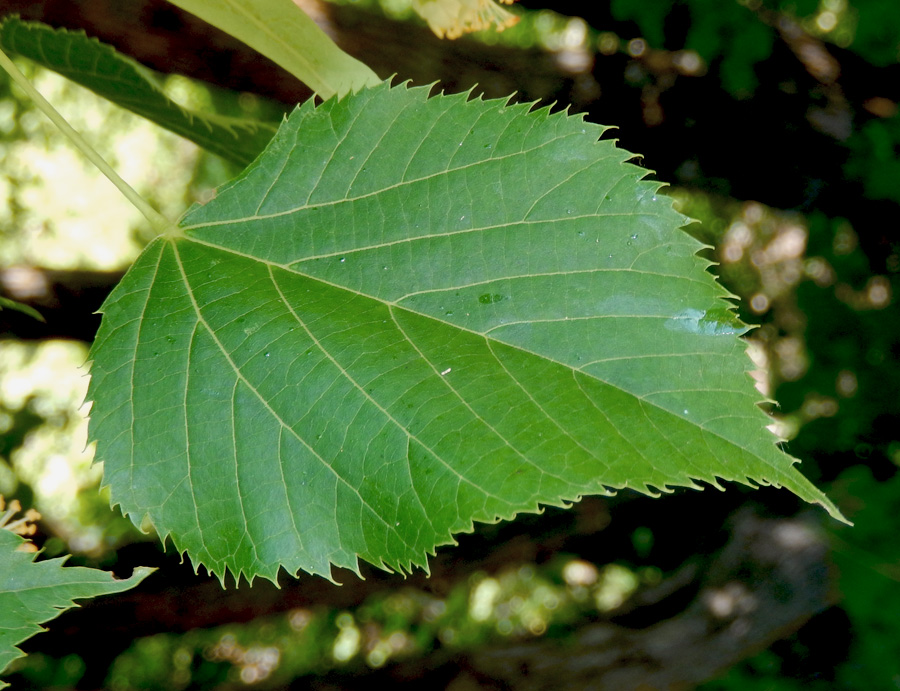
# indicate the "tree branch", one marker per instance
pixel 777 565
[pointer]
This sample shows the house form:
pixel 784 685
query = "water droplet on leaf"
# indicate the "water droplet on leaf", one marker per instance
pixel 715 322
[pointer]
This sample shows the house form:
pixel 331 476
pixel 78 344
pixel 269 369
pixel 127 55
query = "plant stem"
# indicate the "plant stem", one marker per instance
pixel 159 222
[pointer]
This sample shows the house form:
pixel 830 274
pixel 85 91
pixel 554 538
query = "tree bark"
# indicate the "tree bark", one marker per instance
pixel 770 578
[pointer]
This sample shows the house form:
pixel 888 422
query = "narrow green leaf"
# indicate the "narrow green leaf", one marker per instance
pixel 286 35
pixel 407 315
pixel 156 220
pixel 32 593
pixel 127 83
pixel 7 304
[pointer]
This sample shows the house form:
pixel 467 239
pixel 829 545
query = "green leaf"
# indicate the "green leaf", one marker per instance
pixel 7 304
pixel 129 84
pixel 407 315
pixel 286 35
pixel 32 593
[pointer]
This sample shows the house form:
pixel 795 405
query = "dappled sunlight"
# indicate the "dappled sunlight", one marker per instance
pixel 516 604
pixel 405 325
pixel 47 380
pixel 764 254
pixel 833 20
pixel 53 223
pixel 63 214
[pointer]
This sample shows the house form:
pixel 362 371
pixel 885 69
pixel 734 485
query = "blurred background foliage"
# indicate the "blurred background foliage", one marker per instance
pixel 821 289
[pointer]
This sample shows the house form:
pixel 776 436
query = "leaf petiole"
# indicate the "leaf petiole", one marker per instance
pixel 159 222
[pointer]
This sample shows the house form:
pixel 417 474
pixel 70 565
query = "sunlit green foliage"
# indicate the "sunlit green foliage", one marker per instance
pixel 342 337
pixel 290 38
pixel 516 604
pixel 837 405
pixel 125 82
pixel 32 593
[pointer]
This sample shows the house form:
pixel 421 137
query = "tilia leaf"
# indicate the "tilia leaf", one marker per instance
pixel 32 593
pixel 407 315
pixel 285 34
pixel 127 83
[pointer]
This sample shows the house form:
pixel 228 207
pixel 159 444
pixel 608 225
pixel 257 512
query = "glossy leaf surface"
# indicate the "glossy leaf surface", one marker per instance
pixel 411 314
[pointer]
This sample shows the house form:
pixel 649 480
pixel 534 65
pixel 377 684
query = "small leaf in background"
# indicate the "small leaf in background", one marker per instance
pixel 407 315
pixel 285 34
pixel 453 18
pixel 127 83
pixel 32 593
pixel 7 304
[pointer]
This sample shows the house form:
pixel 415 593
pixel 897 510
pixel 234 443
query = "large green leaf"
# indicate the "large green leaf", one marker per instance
pixel 411 314
pixel 129 84
pixel 283 32
pixel 32 593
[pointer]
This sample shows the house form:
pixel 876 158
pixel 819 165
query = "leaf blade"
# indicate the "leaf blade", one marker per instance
pixel 285 34
pixel 409 340
pixel 127 83
pixel 32 593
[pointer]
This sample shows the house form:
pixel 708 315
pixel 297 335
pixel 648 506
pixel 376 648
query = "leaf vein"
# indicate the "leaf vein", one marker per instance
pixel 373 193
pixel 357 385
pixel 253 389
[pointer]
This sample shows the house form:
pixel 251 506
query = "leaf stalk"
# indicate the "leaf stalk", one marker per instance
pixel 159 222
